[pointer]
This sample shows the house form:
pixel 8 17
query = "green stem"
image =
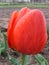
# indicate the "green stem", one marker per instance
pixel 23 59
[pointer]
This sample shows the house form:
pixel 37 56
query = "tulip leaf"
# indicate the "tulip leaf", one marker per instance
pixel 5 41
pixel 48 45
pixel 25 59
pixel 13 60
pixel 1 50
pixel 2 47
pixel 41 60
pixel 3 44
pixel 48 31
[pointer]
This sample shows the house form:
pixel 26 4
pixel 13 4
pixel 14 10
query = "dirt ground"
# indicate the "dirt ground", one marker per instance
pixel 5 14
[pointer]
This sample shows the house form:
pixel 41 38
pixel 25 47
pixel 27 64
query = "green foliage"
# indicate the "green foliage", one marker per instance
pixel 13 60
pixel 41 60
pixel 2 47
pixel 48 31
pixel 48 45
pixel 25 60
pixel 20 5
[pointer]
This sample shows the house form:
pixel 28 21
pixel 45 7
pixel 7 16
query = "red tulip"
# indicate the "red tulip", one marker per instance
pixel 27 31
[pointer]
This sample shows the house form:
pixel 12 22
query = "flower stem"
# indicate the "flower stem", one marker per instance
pixel 23 59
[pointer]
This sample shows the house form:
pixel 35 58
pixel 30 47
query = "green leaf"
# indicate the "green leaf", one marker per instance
pixel 48 44
pixel 1 50
pixel 48 60
pixel 41 60
pixel 2 47
pixel 48 31
pixel 25 59
pixel 5 41
pixel 13 60
pixel 3 44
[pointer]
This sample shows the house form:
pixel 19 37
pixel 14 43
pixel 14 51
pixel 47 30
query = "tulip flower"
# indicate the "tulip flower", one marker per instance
pixel 27 32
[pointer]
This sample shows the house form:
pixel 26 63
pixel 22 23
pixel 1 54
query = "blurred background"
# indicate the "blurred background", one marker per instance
pixel 6 9
pixel 8 6
pixel 14 1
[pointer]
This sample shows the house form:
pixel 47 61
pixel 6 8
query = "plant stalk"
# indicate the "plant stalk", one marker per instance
pixel 23 59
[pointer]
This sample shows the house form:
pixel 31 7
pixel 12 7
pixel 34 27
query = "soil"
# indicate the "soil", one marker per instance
pixel 5 14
